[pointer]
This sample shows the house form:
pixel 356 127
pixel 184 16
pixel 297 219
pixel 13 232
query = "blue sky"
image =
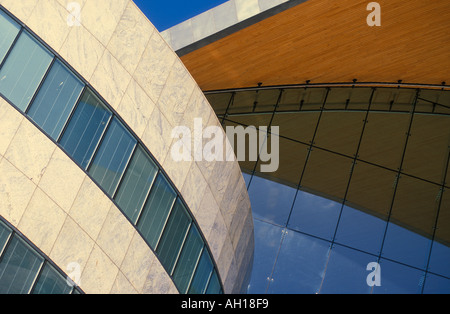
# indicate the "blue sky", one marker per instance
pixel 167 13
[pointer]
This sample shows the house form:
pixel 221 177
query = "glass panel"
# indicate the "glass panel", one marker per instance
pixel 112 157
pixel 360 230
pixel 347 271
pixel 202 274
pixel 214 285
pixel 188 260
pixel 267 244
pixel 315 215
pixel 271 201
pixel 173 236
pixel 384 139
pixel 9 30
pixel 18 268
pixel 156 210
pixel 300 265
pixel 23 70
pixel 413 217
pixel 136 184
pixel 440 253
pixel 51 282
pixel 436 285
pixel 399 279
pixel 85 129
pixel 299 126
pixel 5 232
pixel 56 100
pixel 327 174
pixel 340 131
pixel 426 153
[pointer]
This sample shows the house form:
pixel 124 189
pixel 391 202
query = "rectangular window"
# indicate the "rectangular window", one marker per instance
pixel 156 210
pixel 19 267
pixel 24 70
pixel 214 285
pixel 173 236
pixel 51 282
pixel 202 274
pixel 189 256
pixel 8 33
pixel 112 157
pixel 136 184
pixel 56 99
pixel 85 129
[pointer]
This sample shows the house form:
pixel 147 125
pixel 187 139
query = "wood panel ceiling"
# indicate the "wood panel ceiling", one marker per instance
pixel 330 41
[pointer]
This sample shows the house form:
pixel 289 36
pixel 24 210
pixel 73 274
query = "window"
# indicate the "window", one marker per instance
pixel 24 70
pixel 19 267
pixel 136 184
pixel 173 236
pixel 51 282
pixel 202 275
pixel 188 260
pixel 5 232
pixel 10 29
pixel 55 100
pixel 112 157
pixel 85 129
pixel 156 211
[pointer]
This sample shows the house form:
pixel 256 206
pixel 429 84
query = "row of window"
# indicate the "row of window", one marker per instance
pixel 24 270
pixel 36 82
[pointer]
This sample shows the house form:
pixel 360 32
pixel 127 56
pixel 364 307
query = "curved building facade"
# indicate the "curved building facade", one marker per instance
pixel 360 202
pixel 92 200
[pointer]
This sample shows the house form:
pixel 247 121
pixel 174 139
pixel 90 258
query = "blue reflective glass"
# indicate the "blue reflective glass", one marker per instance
pixel 315 215
pixel 156 210
pixel 360 230
pixel 406 246
pixel 267 244
pixel 436 285
pixel 85 129
pixel 189 256
pixel 51 282
pixel 271 201
pixel 300 265
pixel 347 271
pixel 8 33
pixel 202 274
pixel 173 236
pixel 55 100
pixel 136 184
pixel 19 267
pixel 399 279
pixel 440 259
pixel 112 157
pixel 24 70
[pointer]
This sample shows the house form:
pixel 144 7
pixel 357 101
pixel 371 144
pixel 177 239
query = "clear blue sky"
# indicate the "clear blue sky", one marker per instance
pixel 167 13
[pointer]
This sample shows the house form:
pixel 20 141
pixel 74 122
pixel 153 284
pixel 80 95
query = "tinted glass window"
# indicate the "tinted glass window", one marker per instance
pixel 51 282
pixel 24 70
pixel 202 274
pixel 136 184
pixel 19 267
pixel 56 99
pixel 156 211
pixel 85 128
pixel 8 32
pixel 112 157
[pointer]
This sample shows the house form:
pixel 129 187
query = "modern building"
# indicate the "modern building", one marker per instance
pixel 360 92
pixel 91 198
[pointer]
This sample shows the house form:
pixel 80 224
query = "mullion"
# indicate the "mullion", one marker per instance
pixel 12 47
pixel 125 169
